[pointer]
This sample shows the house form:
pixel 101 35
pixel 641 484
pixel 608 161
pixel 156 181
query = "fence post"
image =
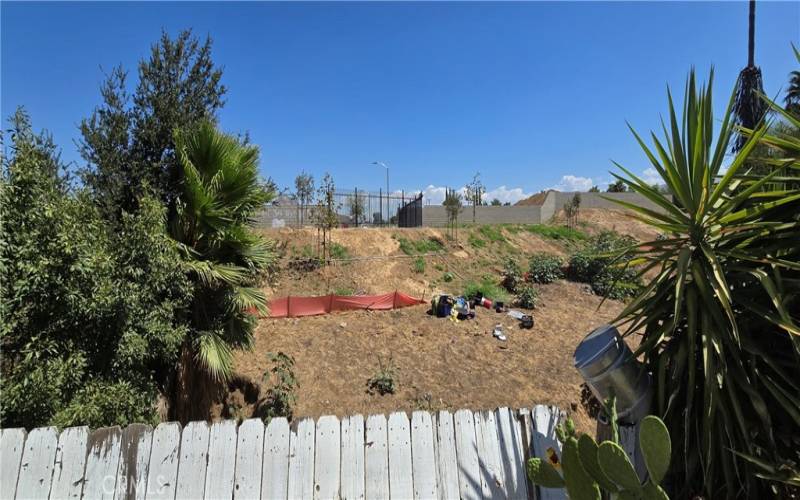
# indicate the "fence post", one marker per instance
pixel 354 207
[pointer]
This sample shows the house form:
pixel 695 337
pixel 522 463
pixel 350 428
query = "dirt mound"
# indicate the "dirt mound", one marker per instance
pixel 536 199
pixel 621 221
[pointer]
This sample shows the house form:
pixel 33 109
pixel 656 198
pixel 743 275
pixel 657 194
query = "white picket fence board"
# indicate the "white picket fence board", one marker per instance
pixel 469 474
pixel 249 459
pixel 102 463
pixel 301 459
pixel 275 475
pixel 12 443
pixel 401 478
pixel 193 462
pixel 423 455
pixel 511 452
pixel 376 458
pixel 70 462
pixel 489 455
pixel 446 457
pixel 164 455
pixel 352 456
pixel 221 460
pixel 134 464
pixel 545 419
pixel 469 455
pixel 36 467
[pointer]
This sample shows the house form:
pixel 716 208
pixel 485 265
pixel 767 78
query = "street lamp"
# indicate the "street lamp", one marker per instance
pixel 382 164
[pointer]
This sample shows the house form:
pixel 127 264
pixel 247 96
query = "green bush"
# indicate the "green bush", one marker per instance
pixel 545 268
pixel 562 233
pixel 447 277
pixel 385 380
pixel 527 296
pixel 281 397
pixel 415 247
pixel 512 275
pixel 487 288
pixel 595 264
pixel 339 251
pixel 91 312
pixel 419 265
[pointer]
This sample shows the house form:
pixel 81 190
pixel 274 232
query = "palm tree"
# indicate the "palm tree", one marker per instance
pixel 221 193
pixel 792 98
pixel 748 108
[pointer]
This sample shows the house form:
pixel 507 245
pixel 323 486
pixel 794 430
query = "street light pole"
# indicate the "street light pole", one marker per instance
pixel 382 164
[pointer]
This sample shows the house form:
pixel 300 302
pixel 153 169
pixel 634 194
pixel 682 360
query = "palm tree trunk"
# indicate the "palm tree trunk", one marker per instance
pixel 194 391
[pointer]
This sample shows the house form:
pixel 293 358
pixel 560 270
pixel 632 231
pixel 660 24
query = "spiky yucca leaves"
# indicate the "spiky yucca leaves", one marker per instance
pixel 212 224
pixel 720 316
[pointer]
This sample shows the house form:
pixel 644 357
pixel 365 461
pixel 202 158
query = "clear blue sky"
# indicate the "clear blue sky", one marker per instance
pixel 525 93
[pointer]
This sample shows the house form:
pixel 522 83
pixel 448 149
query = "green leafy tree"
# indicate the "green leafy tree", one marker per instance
pixel 128 142
pixel 224 258
pixel 496 203
pixel 720 314
pixel 594 189
pixel 91 315
pixel 617 187
pixel 304 190
pixel 792 99
pixel 453 205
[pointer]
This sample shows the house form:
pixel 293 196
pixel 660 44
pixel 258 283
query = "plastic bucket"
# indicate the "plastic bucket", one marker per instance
pixel 607 365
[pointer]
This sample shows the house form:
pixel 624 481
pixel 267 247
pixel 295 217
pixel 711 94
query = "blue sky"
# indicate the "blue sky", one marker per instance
pixel 533 95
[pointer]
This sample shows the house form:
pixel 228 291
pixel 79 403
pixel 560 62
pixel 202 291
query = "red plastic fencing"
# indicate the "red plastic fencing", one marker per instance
pixel 291 307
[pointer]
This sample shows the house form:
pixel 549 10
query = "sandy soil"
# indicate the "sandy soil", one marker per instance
pixel 440 364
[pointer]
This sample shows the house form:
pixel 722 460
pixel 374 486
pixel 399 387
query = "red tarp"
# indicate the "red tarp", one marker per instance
pixel 310 306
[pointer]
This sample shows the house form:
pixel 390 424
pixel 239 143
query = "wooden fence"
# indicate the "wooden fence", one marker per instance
pixel 469 455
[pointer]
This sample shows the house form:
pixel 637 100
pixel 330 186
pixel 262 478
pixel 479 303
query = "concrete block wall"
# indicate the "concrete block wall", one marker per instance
pixel 436 215
pixel 597 200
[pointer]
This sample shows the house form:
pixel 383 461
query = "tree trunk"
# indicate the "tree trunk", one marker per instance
pixel 194 391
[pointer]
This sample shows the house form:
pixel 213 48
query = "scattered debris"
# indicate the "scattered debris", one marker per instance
pixel 498 332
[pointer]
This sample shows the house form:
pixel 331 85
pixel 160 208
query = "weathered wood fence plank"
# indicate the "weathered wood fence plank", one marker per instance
pixel 193 462
pixel 401 478
pixel 12 444
pixel 327 453
pixel 102 463
pixel 545 419
pixel 352 470
pixel 70 463
pixel 249 459
pixel 301 459
pixel 446 458
pixel 164 454
pixel 469 474
pixel 275 477
pixel 36 467
pixel 491 467
pixel 512 455
pixel 376 458
pixel 423 456
pixel 137 440
pixel 221 461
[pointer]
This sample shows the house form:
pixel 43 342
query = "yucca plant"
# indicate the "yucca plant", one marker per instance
pixel 212 224
pixel 719 317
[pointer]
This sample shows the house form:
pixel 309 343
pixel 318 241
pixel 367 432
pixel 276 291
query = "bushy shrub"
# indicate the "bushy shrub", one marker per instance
pixel 447 277
pixel 339 251
pixel 595 264
pixel 384 381
pixel 486 288
pixel 91 314
pixel 280 398
pixel 415 247
pixel 545 268
pixel 512 275
pixel 527 296
pixel 419 265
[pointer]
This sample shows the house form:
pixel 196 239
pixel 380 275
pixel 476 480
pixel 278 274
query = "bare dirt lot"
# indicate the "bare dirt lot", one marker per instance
pixel 440 364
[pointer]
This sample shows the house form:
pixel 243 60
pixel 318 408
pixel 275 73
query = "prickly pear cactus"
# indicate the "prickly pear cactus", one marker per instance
pixel 587 451
pixel 614 462
pixel 542 473
pixel 656 447
pixel 580 485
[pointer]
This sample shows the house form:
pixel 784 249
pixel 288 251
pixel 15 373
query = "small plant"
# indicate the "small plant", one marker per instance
pixel 545 268
pixel 384 381
pixel 447 277
pixel 280 398
pixel 512 275
pixel 492 233
pixel 486 288
pixel 344 291
pixel 419 265
pixel 338 251
pixel 412 247
pixel 527 297
pixel 475 242
pixel 590 469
